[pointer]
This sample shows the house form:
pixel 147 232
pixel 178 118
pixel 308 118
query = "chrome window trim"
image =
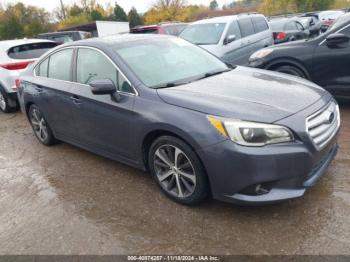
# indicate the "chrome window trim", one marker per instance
pixel 86 47
pixel 324 40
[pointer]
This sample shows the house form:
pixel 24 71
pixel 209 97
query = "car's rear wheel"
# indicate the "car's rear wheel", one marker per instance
pixel 178 171
pixel 290 70
pixel 6 104
pixel 40 126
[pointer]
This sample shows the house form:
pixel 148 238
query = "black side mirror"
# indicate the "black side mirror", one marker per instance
pixel 229 39
pixel 337 39
pixel 105 87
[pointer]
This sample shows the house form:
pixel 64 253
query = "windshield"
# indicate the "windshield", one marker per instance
pixel 165 62
pixel 204 34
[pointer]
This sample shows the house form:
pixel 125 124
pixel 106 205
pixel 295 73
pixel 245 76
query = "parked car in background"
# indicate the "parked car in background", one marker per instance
pixel 310 25
pixel 231 38
pixel 314 25
pixel 328 18
pixel 200 127
pixel 324 60
pixel 65 37
pixel 288 30
pixel 164 28
pixel 15 56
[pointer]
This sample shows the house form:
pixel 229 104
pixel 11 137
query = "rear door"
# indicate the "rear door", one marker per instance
pixel 54 84
pixel 263 33
pixel 331 66
pixel 103 124
pixel 249 42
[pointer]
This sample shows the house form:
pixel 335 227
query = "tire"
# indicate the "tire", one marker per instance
pixel 290 70
pixel 185 181
pixel 5 102
pixel 40 126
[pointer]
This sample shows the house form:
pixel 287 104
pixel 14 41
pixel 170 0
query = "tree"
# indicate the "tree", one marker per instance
pixel 134 18
pixel 166 10
pixel 213 5
pixel 119 13
pixel 19 20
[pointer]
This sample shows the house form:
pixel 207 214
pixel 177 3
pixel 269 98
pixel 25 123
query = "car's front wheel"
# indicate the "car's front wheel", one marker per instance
pixel 178 171
pixel 290 70
pixel 40 126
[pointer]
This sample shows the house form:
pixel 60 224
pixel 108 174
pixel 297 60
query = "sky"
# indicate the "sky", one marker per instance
pixel 141 5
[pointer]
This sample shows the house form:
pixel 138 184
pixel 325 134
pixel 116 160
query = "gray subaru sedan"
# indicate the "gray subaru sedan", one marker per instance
pixel 200 127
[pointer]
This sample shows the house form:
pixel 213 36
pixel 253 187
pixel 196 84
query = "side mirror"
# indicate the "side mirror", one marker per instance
pixel 229 39
pixel 337 39
pixel 105 87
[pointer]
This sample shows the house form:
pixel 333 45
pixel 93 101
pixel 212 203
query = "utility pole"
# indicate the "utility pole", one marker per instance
pixel 63 12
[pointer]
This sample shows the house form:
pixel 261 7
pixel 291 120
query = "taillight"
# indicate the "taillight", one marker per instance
pixel 16 66
pixel 279 36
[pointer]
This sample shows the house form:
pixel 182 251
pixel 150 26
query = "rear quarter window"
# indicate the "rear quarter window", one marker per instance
pixel 260 24
pixel 30 51
pixel 246 26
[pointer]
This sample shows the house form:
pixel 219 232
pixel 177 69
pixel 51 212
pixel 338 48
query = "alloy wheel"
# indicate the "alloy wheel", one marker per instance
pixel 174 171
pixel 39 125
pixel 2 102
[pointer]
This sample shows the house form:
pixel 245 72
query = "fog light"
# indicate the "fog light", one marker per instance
pixel 259 190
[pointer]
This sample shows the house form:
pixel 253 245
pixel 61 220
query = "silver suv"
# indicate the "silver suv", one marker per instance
pixel 232 38
pixel 15 56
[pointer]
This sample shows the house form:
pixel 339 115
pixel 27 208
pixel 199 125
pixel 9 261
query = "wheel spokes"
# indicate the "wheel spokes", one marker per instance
pixel 166 175
pixel 190 177
pixel 162 156
pixel 179 187
pixel 174 171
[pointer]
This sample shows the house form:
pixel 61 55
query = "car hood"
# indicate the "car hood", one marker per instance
pixel 246 94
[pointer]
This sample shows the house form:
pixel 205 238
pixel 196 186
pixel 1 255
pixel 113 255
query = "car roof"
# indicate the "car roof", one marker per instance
pixel 11 43
pixel 224 19
pixel 165 24
pixel 61 33
pixel 114 40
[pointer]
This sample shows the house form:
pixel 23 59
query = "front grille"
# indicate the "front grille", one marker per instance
pixel 323 125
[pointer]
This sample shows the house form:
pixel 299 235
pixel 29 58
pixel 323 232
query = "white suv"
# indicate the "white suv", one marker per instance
pixel 15 56
pixel 232 38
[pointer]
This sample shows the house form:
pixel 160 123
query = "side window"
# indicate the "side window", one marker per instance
pixel 246 26
pixel 299 26
pixel 93 65
pixel 124 85
pixel 260 24
pixel 291 26
pixel 234 30
pixel 59 65
pixel 43 68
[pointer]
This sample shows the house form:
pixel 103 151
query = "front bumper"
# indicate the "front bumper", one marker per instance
pixel 284 171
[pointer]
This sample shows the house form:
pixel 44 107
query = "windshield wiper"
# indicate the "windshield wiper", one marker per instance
pixel 170 84
pixel 209 74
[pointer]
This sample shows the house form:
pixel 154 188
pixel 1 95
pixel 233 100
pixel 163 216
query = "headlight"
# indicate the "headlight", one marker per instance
pixel 261 53
pixel 251 133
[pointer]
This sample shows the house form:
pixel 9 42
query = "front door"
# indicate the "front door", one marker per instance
pixel 331 66
pixel 102 123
